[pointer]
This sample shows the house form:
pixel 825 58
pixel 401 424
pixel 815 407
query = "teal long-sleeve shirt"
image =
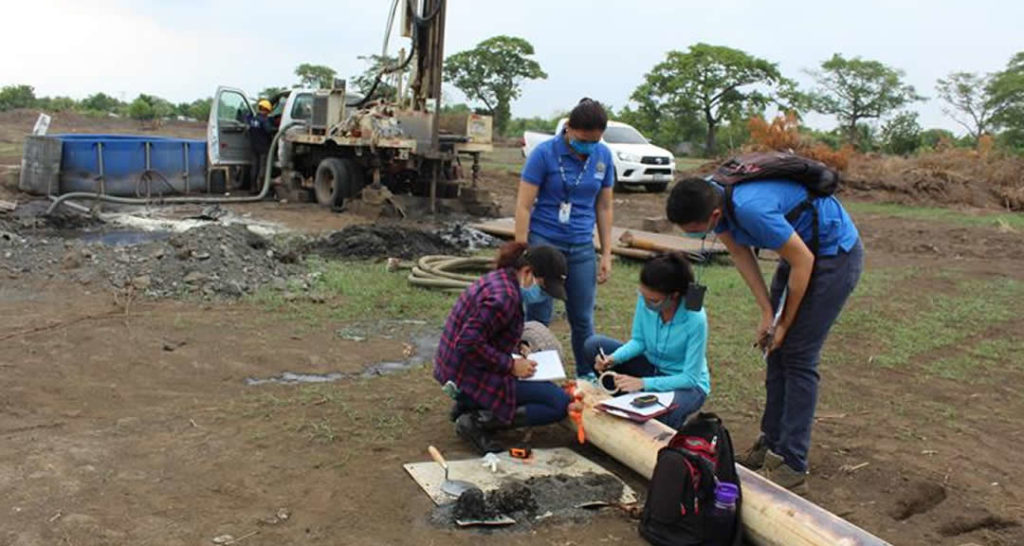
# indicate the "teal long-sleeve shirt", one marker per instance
pixel 678 349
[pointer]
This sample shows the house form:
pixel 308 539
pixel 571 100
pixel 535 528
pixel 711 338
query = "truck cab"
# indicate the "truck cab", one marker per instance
pixel 228 126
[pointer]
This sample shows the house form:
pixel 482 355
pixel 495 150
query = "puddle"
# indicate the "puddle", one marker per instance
pixel 291 378
pixel 419 350
pixel 125 238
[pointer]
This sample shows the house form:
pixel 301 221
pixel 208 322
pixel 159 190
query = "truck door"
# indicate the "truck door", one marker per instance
pixel 227 132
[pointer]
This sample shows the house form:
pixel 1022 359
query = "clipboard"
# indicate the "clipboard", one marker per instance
pixel 619 406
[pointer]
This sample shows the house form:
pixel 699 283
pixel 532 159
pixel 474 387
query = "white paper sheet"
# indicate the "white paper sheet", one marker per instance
pixel 623 403
pixel 549 366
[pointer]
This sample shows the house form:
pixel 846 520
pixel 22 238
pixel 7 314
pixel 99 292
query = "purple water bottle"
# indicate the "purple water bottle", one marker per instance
pixel 723 516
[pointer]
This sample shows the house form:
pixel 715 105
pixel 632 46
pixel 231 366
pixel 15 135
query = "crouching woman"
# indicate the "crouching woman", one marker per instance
pixel 667 350
pixel 480 335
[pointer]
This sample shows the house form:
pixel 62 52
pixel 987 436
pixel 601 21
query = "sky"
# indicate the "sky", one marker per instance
pixel 183 49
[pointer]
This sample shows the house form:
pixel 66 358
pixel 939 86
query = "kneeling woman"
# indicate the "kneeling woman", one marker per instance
pixel 483 329
pixel 667 351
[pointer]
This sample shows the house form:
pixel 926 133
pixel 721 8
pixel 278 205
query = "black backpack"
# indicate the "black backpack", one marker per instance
pixel 818 178
pixel 679 510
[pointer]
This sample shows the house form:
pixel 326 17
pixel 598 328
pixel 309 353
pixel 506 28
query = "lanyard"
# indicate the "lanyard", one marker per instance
pixel 565 180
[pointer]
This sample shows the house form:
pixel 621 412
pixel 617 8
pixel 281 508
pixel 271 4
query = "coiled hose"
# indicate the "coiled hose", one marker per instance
pixel 448 273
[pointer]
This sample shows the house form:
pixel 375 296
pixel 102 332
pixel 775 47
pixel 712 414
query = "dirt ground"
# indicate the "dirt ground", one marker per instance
pixel 131 422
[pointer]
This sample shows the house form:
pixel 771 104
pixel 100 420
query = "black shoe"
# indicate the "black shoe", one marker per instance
pixel 468 427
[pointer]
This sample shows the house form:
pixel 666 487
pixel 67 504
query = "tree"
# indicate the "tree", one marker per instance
pixel 901 135
pixel 315 75
pixel 364 82
pixel 147 107
pixel 100 102
pixel 493 73
pixel 56 104
pixel 199 109
pixel 1006 92
pixel 713 81
pixel 140 109
pixel 272 92
pixel 968 101
pixel 17 96
pixel 855 90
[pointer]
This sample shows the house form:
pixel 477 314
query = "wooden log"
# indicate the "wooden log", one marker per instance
pixel 771 515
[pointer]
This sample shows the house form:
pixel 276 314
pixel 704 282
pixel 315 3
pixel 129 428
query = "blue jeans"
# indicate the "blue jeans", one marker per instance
pixel 791 380
pixel 580 292
pixel 687 400
pixel 543 401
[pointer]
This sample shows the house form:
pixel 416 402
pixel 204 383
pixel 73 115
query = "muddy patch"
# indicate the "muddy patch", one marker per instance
pixel 393 241
pixel 557 499
pixel 919 498
pixel 417 352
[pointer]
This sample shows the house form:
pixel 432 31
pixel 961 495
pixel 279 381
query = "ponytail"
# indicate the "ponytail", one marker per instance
pixel 511 254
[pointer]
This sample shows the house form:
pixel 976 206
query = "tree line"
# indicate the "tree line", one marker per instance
pixel 704 95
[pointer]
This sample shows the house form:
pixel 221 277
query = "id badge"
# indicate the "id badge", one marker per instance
pixel 564 211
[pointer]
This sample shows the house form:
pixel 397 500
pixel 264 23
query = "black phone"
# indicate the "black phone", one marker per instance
pixel 644 401
pixel 695 296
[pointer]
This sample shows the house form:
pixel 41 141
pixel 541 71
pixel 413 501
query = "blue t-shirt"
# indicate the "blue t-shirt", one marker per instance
pixel 761 207
pixel 542 170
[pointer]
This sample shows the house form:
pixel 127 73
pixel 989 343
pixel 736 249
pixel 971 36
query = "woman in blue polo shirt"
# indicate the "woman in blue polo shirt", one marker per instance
pixel 818 269
pixel 566 189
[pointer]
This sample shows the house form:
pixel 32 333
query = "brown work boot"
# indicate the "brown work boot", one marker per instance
pixel 783 475
pixel 753 458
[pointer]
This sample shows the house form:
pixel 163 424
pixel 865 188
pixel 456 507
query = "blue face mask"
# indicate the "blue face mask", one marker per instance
pixel 695 234
pixel 583 147
pixel 532 294
pixel 655 307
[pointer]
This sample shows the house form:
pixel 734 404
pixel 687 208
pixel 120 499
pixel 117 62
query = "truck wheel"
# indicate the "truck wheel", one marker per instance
pixel 332 182
pixel 657 187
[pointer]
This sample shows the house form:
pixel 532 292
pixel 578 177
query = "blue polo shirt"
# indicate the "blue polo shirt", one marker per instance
pixel 542 170
pixel 761 207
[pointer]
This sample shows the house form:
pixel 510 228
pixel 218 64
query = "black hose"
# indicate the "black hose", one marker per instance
pixel 419 23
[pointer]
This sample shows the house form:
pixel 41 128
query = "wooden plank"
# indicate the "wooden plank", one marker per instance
pixel 544 462
pixel 505 228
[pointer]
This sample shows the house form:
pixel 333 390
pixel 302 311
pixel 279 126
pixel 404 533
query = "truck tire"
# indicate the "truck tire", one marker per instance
pixel 541 338
pixel 332 182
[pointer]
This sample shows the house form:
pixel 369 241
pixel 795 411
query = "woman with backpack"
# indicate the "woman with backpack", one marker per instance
pixel 566 189
pixel 474 360
pixel 668 348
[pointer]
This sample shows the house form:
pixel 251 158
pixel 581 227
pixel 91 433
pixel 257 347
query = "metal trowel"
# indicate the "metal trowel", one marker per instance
pixel 448 486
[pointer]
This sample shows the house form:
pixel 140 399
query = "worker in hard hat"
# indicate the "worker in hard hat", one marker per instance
pixel 261 131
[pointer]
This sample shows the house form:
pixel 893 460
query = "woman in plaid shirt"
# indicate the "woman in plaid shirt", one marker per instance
pixel 483 329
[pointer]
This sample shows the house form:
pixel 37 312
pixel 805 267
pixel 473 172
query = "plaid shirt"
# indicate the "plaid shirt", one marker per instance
pixel 482 330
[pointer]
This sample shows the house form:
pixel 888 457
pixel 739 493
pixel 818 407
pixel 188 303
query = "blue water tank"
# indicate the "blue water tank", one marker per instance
pixel 115 164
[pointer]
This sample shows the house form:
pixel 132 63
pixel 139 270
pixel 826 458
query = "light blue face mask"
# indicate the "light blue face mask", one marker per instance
pixel 655 307
pixel 532 295
pixel 583 147
pixel 695 234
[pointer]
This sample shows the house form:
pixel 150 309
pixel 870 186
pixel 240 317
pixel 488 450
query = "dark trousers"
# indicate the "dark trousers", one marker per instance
pixel 791 381
pixel 543 401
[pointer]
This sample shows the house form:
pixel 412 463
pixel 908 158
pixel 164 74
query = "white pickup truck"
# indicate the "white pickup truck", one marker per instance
pixel 637 161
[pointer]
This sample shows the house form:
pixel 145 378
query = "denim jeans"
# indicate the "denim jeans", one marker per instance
pixel 580 291
pixel 687 400
pixel 791 379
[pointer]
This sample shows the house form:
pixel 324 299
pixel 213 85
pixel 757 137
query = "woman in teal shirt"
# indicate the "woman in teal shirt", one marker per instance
pixel 668 348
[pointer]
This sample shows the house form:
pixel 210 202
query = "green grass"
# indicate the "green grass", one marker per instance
pixel 359 291
pixel 976 360
pixel 931 214
pixel 689 163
